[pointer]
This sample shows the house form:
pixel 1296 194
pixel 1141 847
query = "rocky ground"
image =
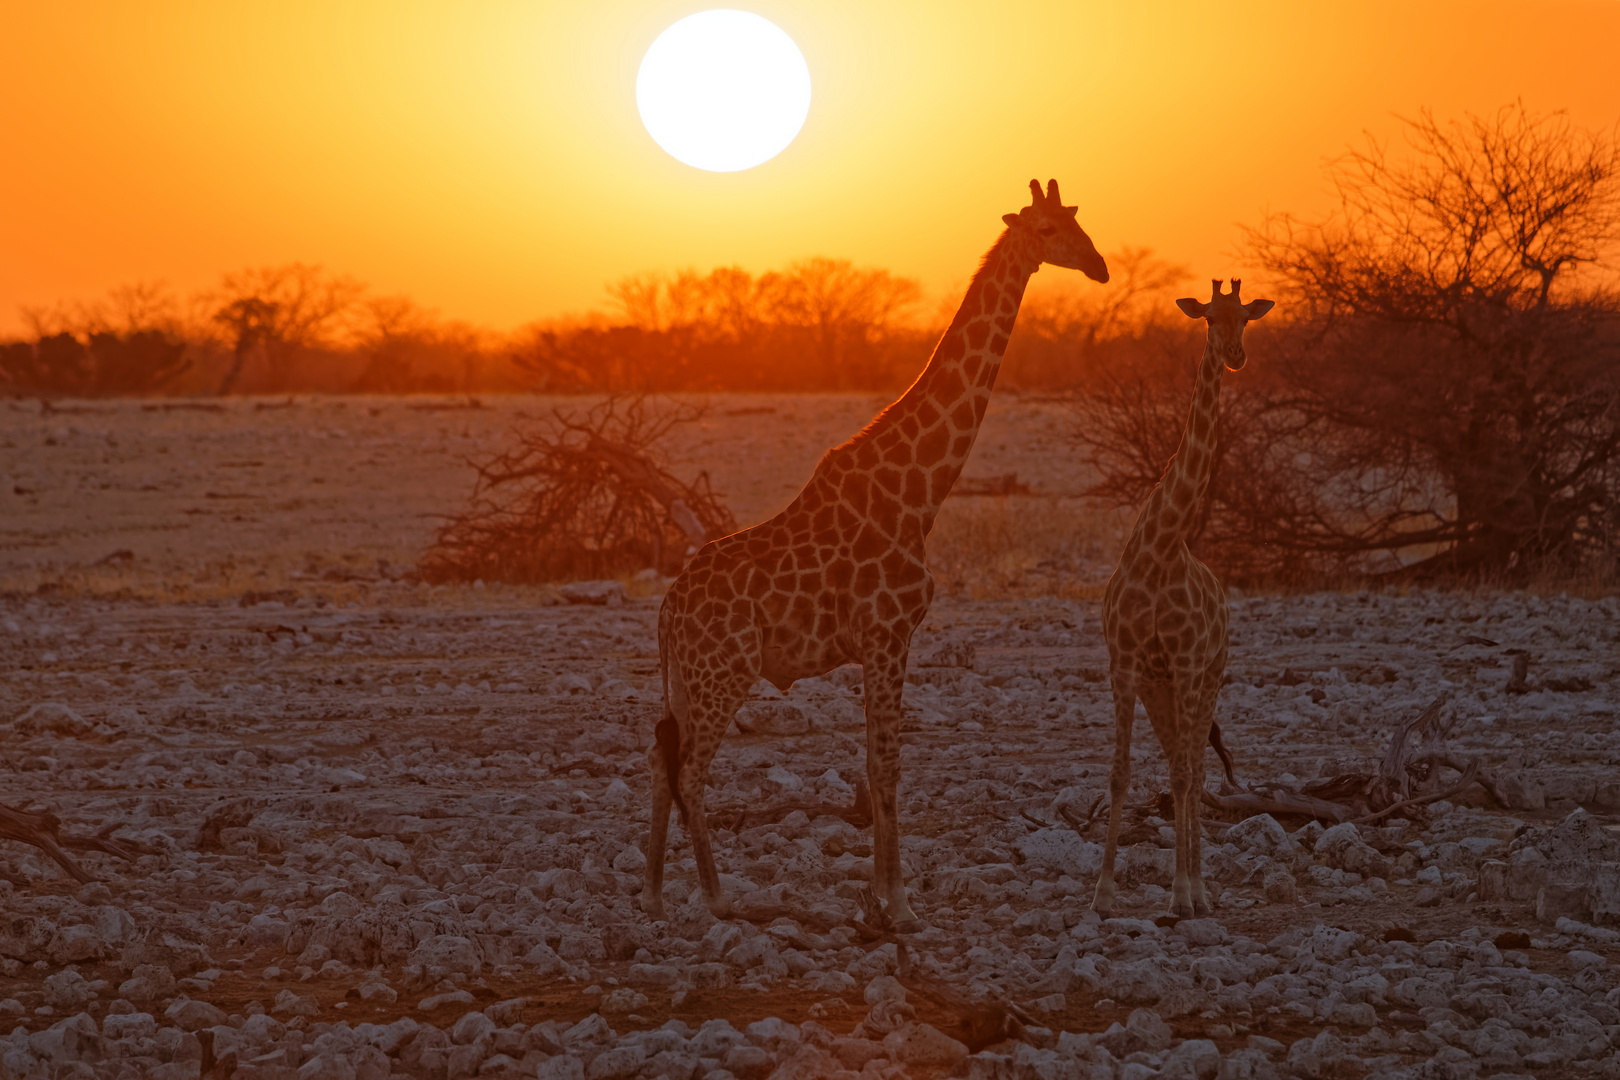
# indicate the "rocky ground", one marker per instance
pixel 400 836
pixel 379 829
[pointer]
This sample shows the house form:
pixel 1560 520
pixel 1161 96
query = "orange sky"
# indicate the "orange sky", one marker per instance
pixel 487 158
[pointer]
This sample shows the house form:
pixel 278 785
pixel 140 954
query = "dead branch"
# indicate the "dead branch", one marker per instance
pixel 40 830
pixel 1091 816
pixel 589 496
pixel 1394 781
pixel 1276 801
pixel 234 814
pixel 1468 778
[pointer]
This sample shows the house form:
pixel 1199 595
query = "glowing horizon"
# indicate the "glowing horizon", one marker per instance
pixel 490 161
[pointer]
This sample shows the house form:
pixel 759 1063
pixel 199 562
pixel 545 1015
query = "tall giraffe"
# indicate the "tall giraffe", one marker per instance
pixel 840 576
pixel 1164 616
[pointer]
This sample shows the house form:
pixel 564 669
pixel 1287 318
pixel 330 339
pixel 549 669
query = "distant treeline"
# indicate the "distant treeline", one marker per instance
pixel 817 325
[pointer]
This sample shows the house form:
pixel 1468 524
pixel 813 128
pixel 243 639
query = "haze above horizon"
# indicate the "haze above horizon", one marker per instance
pixel 489 161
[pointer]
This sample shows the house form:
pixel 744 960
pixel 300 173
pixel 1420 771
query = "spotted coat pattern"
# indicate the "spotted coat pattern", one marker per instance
pixel 1165 618
pixel 840 576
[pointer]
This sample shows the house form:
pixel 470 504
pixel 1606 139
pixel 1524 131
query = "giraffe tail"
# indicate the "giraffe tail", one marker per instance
pixel 1222 752
pixel 668 737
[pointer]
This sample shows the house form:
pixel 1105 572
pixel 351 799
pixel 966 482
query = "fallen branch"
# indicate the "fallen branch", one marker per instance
pixel 40 830
pixel 1091 816
pixel 1470 775
pixel 1251 803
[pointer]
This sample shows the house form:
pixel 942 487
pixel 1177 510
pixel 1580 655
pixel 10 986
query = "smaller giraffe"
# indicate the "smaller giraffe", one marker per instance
pixel 1164 616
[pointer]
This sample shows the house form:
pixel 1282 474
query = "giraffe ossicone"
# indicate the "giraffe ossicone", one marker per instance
pixel 1165 619
pixel 840 576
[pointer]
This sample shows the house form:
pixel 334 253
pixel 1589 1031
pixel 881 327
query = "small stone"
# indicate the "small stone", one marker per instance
pixel 597 593
pixel 1280 887
pixel 1051 1003
pixel 884 988
pixel 293 1004
pixel 194 1015
pixel 1261 834
pixel 66 990
pixel 470 1028
pixel 747 1062
pixel 623 999
pixel 924 1045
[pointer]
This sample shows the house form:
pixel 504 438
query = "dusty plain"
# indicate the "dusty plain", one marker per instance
pixel 384 828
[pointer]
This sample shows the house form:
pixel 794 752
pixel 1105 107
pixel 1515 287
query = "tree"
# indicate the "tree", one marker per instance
pixel 276 313
pixel 1445 395
pixel 821 324
pixel 1069 339
pixel 1461 353
pixel 141 362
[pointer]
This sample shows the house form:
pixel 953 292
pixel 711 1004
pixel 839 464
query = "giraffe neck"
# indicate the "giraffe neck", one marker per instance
pixel 1173 506
pixel 938 417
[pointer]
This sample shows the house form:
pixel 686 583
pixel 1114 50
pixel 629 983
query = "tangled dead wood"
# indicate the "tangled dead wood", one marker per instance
pixel 1408 777
pixel 40 830
pixel 589 495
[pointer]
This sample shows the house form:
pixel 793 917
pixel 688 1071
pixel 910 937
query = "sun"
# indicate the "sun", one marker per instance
pixel 723 90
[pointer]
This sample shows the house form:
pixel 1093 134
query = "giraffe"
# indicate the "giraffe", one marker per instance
pixel 839 576
pixel 1164 616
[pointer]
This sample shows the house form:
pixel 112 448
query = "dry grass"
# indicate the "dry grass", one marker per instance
pixel 1025 545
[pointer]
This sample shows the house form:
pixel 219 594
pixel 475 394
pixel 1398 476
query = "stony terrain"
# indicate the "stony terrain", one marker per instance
pixel 383 829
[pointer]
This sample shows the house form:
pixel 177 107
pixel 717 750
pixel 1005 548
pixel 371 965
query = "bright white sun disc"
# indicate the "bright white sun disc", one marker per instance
pixel 723 90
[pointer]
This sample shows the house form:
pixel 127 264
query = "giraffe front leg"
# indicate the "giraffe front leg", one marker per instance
pixel 1181 789
pixel 885 679
pixel 1119 781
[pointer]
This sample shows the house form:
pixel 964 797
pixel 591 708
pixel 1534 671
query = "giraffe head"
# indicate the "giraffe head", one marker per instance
pixel 1227 315
pixel 1054 235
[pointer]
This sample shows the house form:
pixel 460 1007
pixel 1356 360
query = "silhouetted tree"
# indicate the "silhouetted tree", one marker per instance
pixel 408 350
pixel 1447 385
pixel 275 314
pixel 143 362
pixel 821 324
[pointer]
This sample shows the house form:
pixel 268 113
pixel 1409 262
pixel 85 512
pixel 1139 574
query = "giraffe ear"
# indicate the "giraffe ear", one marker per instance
pixel 1193 309
pixel 1010 219
pixel 1256 309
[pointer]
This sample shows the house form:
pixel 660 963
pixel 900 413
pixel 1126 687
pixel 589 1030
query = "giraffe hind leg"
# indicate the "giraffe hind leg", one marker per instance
pixel 664 761
pixel 710 714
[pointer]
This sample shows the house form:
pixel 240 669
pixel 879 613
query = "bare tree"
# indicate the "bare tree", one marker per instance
pixel 1459 348
pixel 1069 339
pixel 275 313
pixel 1445 395
pixel 408 349
pixel 819 324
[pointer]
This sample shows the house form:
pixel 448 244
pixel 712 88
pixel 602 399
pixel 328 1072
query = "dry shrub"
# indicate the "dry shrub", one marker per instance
pixel 984 547
pixel 586 496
